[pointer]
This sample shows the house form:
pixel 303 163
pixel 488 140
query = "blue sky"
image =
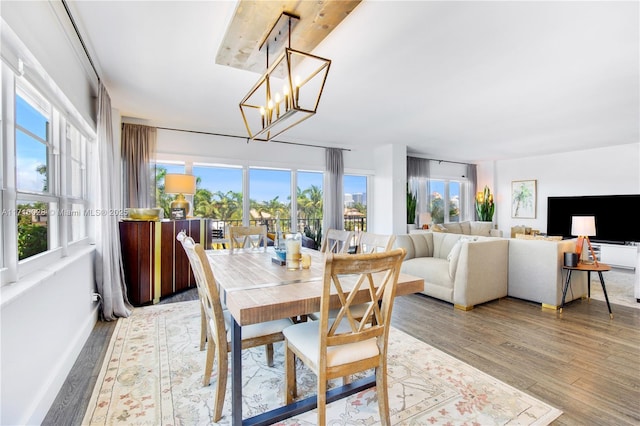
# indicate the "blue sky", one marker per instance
pixel 30 153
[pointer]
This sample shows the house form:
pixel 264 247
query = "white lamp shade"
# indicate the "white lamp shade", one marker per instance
pixel 179 184
pixel 425 218
pixel 583 226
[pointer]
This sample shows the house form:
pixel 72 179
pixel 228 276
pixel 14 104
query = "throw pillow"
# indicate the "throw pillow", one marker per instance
pixel 438 228
pixel 454 254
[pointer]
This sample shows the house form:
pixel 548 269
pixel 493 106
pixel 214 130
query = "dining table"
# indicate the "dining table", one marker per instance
pixel 256 287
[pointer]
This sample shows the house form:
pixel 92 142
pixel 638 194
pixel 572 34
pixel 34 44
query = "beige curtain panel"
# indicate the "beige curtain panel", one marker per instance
pixel 138 165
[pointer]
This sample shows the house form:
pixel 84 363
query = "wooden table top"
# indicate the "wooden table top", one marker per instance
pixel 600 267
pixel 258 290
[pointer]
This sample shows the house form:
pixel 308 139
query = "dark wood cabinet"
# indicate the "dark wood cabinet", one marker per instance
pixel 155 264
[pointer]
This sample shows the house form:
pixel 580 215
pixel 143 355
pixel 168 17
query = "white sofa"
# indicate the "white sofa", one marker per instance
pixel 483 229
pixel 536 274
pixel 455 268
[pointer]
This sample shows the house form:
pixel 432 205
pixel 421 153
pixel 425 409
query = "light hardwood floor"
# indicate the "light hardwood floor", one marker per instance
pixel 579 361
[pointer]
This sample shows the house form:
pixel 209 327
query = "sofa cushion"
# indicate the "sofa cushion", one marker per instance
pixel 453 227
pixel 443 243
pixel 466 227
pixel 481 228
pixel 422 244
pixel 404 241
pixel 434 271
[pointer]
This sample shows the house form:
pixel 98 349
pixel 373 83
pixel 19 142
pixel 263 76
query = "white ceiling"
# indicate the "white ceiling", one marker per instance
pixel 452 80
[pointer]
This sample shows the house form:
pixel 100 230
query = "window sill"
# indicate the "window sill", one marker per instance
pixel 11 291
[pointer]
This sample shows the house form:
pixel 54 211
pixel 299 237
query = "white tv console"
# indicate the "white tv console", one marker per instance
pixel 618 255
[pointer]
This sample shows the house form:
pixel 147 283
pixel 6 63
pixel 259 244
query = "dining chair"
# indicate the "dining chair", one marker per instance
pixel 216 322
pixel 341 346
pixel 336 241
pixel 367 243
pixel 254 236
pixel 371 243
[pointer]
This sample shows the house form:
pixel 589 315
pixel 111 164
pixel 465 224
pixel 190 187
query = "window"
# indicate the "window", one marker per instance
pixel 309 199
pixel 75 186
pixel 444 200
pixel 355 203
pixel 33 168
pixel 270 195
pixel 45 157
pixel 218 194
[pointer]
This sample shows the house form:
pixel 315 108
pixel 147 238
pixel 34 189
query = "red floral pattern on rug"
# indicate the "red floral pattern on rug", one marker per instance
pixel 152 375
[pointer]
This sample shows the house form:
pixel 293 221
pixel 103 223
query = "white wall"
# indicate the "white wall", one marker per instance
pixel 389 214
pixel 44 321
pixel 603 171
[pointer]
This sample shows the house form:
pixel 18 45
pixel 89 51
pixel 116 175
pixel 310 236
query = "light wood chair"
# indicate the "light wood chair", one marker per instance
pixel 216 321
pixel 341 346
pixel 254 236
pixel 374 243
pixel 336 241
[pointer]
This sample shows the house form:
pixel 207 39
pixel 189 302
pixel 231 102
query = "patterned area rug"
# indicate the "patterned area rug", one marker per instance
pixel 153 370
pixel 620 287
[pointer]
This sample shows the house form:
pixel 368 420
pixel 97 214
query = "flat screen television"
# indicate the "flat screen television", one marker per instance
pixel 616 216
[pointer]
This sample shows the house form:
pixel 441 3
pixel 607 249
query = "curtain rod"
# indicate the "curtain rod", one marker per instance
pixel 243 137
pixel 441 161
pixel 75 27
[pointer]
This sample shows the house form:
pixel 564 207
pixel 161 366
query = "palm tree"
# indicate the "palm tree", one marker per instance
pixel 522 197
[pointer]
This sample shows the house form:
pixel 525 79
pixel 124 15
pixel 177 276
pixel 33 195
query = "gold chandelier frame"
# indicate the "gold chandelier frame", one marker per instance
pixel 265 112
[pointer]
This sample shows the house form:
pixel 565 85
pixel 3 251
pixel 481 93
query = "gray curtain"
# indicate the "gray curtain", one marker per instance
pixel 470 200
pixel 333 213
pixel 138 164
pixel 105 175
pixel 418 174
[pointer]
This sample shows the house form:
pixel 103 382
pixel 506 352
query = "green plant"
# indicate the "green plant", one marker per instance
pixel 484 205
pixel 412 202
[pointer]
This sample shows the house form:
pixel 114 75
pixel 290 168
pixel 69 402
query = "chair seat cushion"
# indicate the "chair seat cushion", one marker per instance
pixel 306 338
pixel 257 330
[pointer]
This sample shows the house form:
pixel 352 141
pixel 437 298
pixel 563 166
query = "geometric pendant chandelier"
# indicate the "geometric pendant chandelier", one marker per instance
pixel 289 90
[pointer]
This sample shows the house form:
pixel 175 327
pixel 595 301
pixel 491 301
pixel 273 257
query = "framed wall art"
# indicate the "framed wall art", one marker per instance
pixel 523 199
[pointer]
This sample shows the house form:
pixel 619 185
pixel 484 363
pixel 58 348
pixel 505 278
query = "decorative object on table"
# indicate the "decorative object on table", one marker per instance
pixel 523 199
pixel 484 205
pixel 425 220
pixel 267 112
pixel 154 214
pixel 281 256
pixel 412 203
pixel 293 243
pixel 570 258
pixel 178 213
pixel 175 183
pixel 584 227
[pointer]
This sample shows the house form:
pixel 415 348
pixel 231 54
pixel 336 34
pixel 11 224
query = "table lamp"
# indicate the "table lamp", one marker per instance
pixel 180 184
pixel 584 227
pixel 425 220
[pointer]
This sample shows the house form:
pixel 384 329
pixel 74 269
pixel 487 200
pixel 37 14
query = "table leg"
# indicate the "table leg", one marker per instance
pixel 564 291
pixel 588 285
pixel 236 374
pixel 604 290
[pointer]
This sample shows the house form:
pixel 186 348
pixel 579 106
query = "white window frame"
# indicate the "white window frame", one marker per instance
pixel 59 223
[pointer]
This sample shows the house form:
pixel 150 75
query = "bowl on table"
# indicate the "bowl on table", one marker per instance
pixel 145 213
